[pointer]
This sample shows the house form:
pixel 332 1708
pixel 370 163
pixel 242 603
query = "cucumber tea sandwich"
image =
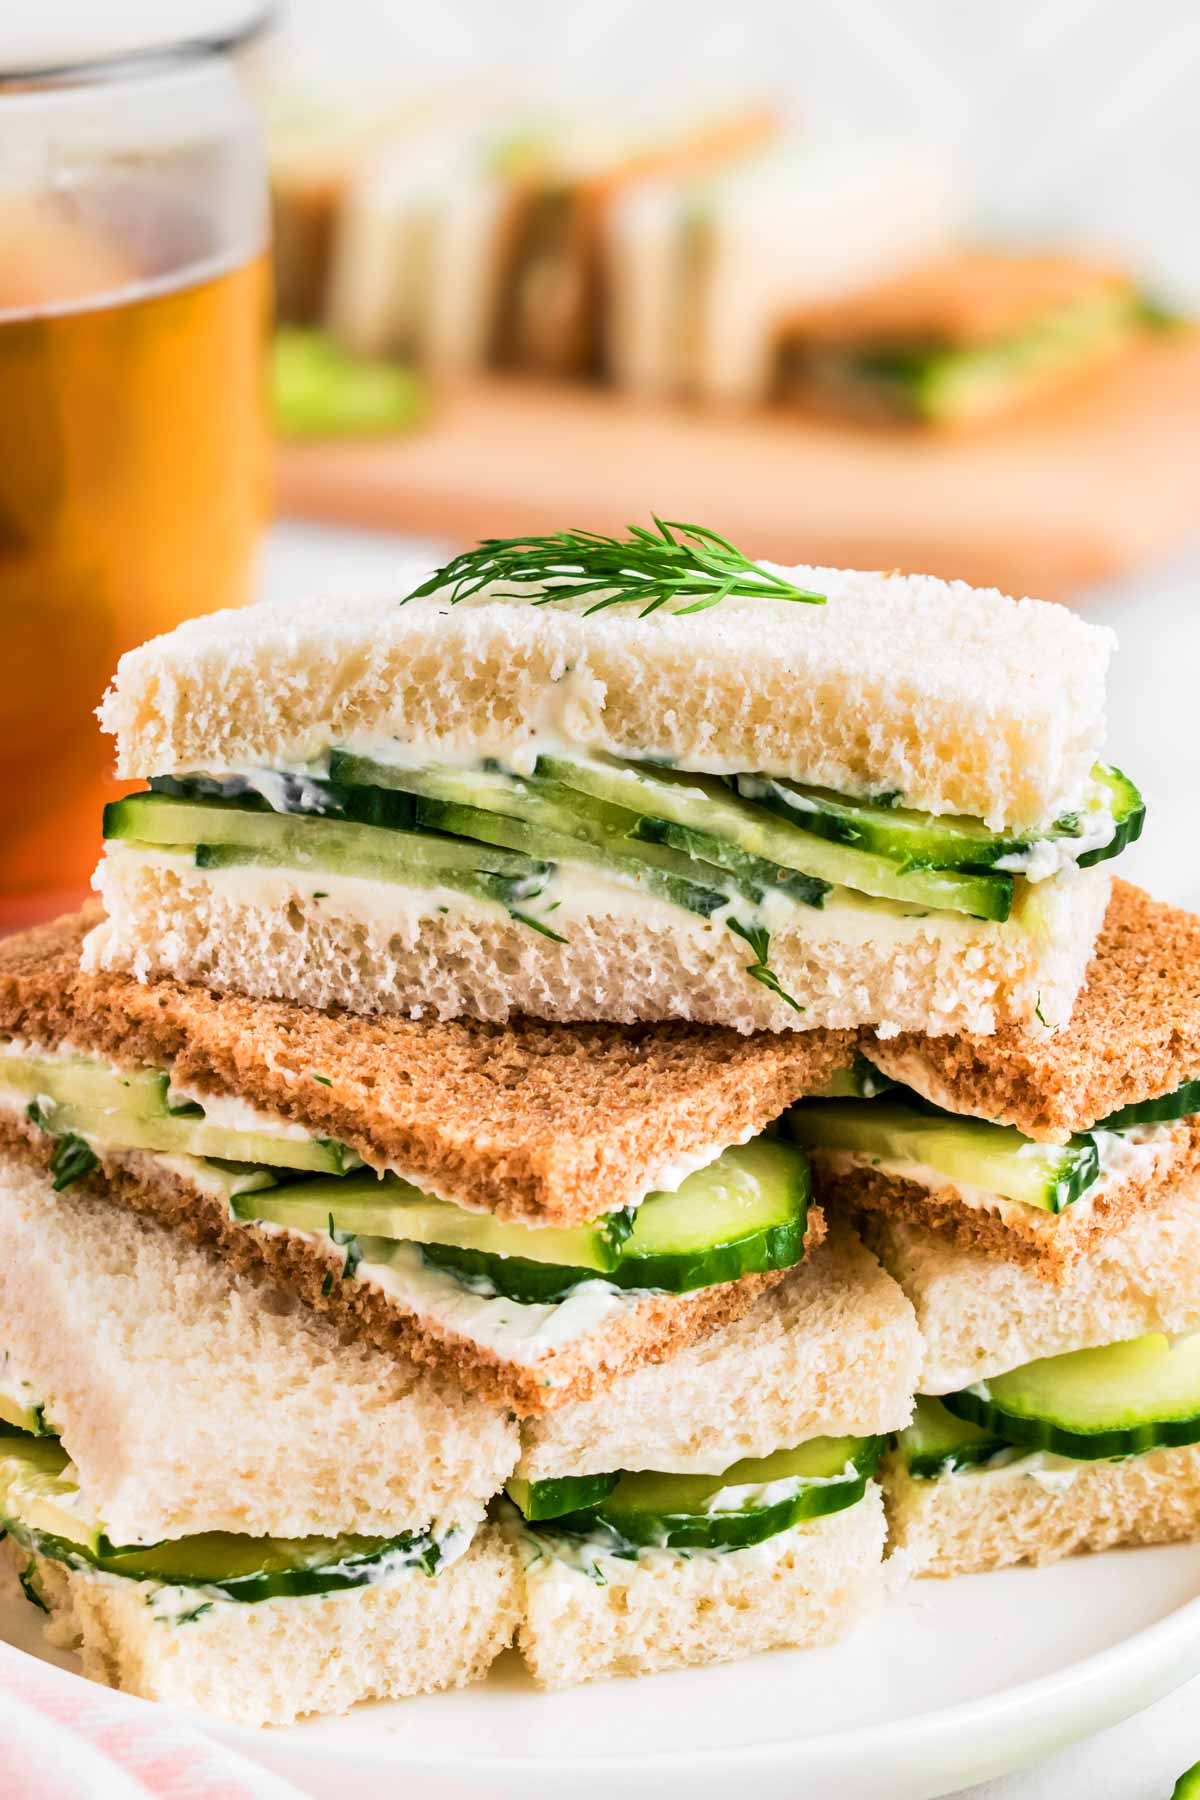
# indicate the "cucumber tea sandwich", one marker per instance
pixel 1031 1147
pixel 174 1499
pixel 725 1502
pixel 636 779
pixel 536 1209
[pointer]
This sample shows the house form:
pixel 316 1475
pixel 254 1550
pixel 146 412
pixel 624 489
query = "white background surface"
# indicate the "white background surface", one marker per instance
pixel 1154 731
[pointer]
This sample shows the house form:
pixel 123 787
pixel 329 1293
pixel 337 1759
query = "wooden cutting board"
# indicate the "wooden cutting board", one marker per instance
pixel 1080 489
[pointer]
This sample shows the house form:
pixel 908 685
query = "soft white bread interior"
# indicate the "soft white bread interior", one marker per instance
pixel 665 1610
pixel 964 1523
pixel 961 699
pixel 192 1399
pixel 377 947
pixel 833 1351
pixel 268 1662
pixel 981 1315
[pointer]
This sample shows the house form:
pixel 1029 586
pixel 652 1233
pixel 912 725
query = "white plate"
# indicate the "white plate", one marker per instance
pixel 952 1683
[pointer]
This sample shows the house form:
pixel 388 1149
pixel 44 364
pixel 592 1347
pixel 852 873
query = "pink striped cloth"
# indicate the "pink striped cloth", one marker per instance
pixel 62 1738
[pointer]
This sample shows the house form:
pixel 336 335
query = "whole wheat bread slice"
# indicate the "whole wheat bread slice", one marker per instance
pixel 1134 1034
pixel 312 1268
pixel 550 1124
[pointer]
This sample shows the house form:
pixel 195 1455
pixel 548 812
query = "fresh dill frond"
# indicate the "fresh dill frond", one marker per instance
pixel 760 970
pixel 674 561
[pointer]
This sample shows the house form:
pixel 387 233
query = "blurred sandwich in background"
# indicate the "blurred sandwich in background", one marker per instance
pixel 962 338
pixel 701 270
pixel 487 248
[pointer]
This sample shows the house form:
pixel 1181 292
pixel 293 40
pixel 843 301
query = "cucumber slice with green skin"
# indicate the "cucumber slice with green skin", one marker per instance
pixel 1128 813
pixel 39 1506
pixel 1141 1394
pixel 37 1493
pixel 746 1213
pixel 996 1158
pixel 936 1442
pixel 921 840
pixel 559 1494
pixel 89 1083
pixel 176 1135
pixel 709 806
pixel 227 836
pixel 753 1500
pixel 552 805
pixel 1188 1785
pixel 391 1208
pixel 1180 1103
pixel 659 871
pixel 17 1414
pixel 293 794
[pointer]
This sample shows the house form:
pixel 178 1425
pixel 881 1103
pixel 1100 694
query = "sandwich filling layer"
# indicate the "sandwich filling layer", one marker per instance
pixel 872 1124
pixel 45 1514
pixel 582 1523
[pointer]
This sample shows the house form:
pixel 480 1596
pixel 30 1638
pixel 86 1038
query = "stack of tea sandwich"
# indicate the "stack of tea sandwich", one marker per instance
pixel 560 1061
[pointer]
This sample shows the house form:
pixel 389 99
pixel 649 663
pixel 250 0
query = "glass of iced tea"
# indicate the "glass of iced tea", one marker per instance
pixel 134 307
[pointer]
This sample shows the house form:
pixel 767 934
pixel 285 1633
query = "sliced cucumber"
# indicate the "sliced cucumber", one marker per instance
pixel 660 872
pixel 559 1494
pixel 176 1135
pixel 995 1158
pixel 861 1081
pixel 391 1208
pixel 1180 1103
pixel 554 806
pixel 936 1442
pixel 290 793
pixel 703 804
pixel 226 836
pixel 746 1213
pixel 40 1506
pixel 753 1500
pixel 87 1082
pixel 1123 1399
pixel 38 1492
pixel 921 840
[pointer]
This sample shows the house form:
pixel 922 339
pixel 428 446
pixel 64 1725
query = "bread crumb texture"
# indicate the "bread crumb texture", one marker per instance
pixel 530 1121
pixel 961 699
pixel 1134 1033
pixel 385 948
pixel 980 1314
pixel 311 1268
pixel 963 1524
pixel 665 1611
pixel 270 1662
pixel 832 1351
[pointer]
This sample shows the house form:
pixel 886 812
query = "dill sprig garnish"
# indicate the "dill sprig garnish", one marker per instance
pixel 760 969
pixel 651 567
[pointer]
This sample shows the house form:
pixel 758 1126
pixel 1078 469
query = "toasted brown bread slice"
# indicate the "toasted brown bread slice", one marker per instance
pixel 580 1368
pixel 1134 1034
pixel 969 298
pixel 551 1124
pixel 1052 1244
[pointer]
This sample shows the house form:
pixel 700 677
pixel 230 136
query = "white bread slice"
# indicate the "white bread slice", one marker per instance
pixel 809 224
pixel 961 699
pixel 269 1662
pixel 416 255
pixel 666 1610
pixel 963 1523
pixel 377 947
pixel 192 1400
pixel 832 1351
pixel 981 1315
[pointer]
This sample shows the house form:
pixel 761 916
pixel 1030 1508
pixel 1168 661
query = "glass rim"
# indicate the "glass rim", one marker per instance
pixel 123 64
